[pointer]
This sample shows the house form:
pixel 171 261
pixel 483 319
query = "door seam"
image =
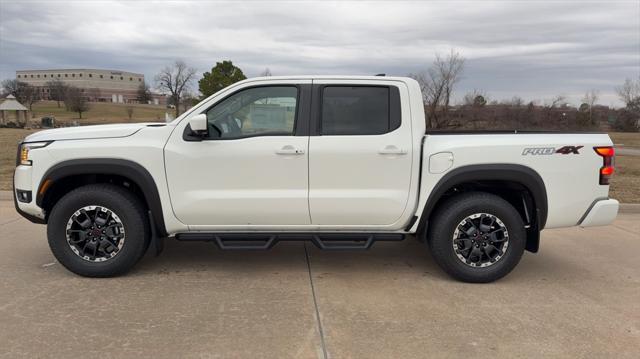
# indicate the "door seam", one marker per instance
pixel 309 157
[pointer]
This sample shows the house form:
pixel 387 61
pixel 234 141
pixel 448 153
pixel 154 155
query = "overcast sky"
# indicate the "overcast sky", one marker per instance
pixel 534 49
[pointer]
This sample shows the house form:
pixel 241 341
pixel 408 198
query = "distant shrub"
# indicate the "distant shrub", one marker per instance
pixel 627 121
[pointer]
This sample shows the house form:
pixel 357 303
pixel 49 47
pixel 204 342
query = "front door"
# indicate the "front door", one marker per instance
pixel 251 170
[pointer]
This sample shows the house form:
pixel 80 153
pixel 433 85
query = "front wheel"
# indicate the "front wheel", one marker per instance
pixel 477 237
pixel 98 230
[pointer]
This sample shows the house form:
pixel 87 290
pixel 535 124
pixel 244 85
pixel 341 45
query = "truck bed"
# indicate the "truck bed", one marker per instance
pixel 571 179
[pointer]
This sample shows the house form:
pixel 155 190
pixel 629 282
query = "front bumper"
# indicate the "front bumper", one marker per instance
pixel 29 210
pixel 601 213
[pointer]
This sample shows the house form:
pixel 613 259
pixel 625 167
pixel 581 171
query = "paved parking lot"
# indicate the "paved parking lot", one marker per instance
pixel 579 297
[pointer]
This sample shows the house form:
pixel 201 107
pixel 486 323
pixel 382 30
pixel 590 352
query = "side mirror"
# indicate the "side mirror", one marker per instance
pixel 198 124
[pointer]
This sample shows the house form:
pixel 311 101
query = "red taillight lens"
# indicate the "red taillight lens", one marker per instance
pixel 607 168
pixel 606 171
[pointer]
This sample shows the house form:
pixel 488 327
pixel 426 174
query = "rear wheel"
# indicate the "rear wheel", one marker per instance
pixel 477 237
pixel 98 230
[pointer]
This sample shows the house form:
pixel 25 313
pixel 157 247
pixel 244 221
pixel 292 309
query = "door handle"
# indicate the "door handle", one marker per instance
pixel 392 150
pixel 289 150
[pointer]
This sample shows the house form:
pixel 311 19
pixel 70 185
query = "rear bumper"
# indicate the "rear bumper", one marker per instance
pixel 601 213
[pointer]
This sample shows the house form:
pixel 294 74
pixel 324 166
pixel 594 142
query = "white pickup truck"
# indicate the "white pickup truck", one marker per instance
pixel 339 161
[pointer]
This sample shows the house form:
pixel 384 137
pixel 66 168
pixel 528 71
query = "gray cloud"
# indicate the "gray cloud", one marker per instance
pixel 534 49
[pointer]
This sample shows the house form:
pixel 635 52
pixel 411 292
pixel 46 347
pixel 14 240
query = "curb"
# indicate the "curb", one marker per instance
pixel 624 207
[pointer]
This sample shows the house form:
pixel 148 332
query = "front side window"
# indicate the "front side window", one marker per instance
pixel 355 110
pixel 258 111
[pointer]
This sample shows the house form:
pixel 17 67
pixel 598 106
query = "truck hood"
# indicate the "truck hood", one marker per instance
pixel 89 132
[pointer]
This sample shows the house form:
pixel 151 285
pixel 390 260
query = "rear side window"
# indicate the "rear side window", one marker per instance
pixel 359 110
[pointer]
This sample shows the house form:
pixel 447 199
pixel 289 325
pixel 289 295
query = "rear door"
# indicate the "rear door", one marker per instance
pixel 360 153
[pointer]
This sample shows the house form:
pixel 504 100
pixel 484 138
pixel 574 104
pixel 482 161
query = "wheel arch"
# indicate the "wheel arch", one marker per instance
pixel 67 175
pixel 520 185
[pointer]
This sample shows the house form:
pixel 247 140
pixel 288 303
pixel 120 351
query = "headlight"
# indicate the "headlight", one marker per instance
pixel 24 151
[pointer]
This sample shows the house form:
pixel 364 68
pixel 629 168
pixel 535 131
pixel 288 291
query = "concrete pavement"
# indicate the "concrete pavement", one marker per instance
pixel 578 297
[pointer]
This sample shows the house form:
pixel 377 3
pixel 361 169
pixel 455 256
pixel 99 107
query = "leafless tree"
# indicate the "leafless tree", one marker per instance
pixel 629 92
pixel 93 94
pixel 57 89
pixel 144 94
pixel 557 101
pixel 75 100
pixel 551 116
pixel 23 92
pixel 590 98
pixel 175 80
pixel 437 85
pixel 471 112
pixel 129 110
pixel 516 101
pixel 11 87
pixel 475 98
pixel 627 118
pixel 266 72
pixel 188 100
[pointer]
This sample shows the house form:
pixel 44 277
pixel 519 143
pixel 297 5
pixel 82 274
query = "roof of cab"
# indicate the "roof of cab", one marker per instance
pixel 331 77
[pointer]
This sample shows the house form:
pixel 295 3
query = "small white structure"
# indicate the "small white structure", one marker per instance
pixel 11 104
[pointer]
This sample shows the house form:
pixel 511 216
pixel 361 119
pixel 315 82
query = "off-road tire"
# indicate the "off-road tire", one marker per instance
pixel 124 204
pixel 447 218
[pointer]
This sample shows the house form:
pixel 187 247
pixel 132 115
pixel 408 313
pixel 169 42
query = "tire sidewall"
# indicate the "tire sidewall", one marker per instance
pixel 441 238
pixel 122 205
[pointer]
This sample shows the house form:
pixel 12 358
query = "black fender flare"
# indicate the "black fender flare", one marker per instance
pixel 110 166
pixel 523 175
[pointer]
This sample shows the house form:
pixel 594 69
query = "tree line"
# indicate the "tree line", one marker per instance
pixel 477 111
pixel 437 82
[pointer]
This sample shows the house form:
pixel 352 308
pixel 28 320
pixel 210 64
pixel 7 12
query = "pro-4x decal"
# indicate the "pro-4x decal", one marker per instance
pixel 537 151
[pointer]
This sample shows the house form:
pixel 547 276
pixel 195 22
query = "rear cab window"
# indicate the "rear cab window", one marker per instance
pixel 359 110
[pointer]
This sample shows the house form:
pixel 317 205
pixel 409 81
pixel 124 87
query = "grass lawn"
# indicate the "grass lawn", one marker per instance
pixel 628 139
pixel 9 138
pixel 625 185
pixel 102 112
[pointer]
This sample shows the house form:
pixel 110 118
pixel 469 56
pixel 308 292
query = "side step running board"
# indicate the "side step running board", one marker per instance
pixel 263 241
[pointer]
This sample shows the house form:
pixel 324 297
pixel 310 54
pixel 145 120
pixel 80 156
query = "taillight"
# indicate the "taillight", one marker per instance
pixel 607 169
pixel 605 151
